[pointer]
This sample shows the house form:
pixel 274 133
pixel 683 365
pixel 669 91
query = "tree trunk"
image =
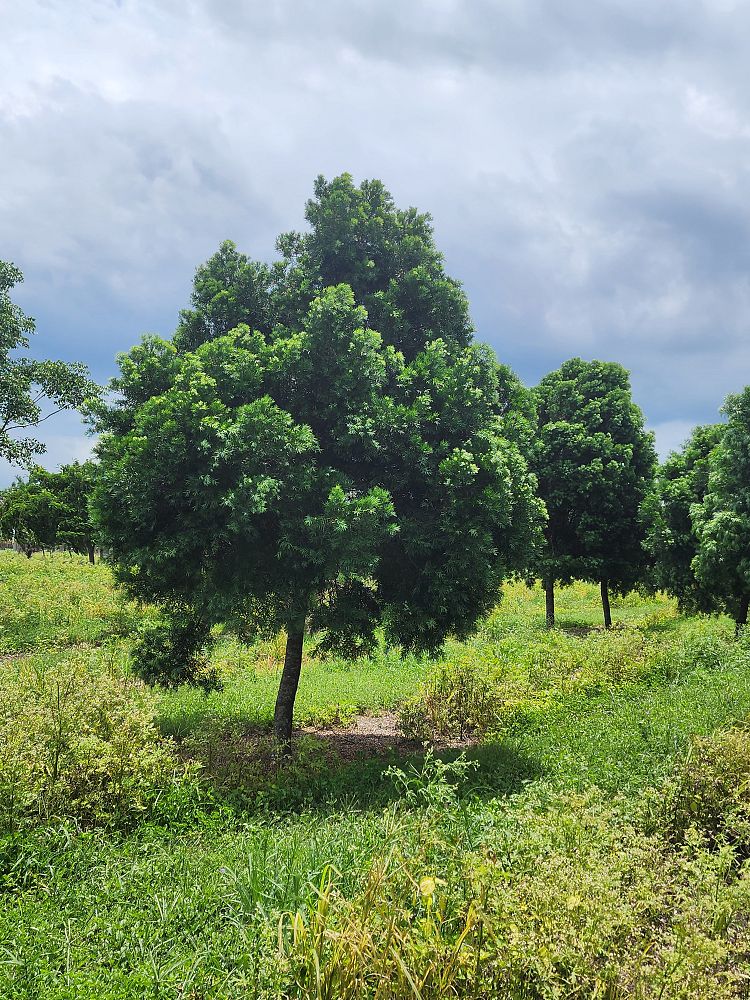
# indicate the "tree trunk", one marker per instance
pixel 90 548
pixel 741 618
pixel 283 713
pixel 549 602
pixel 605 605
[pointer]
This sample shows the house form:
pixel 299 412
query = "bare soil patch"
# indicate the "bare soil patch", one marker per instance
pixel 375 736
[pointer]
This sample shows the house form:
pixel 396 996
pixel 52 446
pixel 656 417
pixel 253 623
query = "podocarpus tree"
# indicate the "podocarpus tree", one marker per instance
pixel 319 447
pixel 31 391
pixel 681 483
pixel 722 520
pixel 595 463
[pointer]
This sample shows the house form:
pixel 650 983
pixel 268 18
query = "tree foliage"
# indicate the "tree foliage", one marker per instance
pixel 26 384
pixel 722 519
pixel 29 514
pixel 594 462
pixel 49 509
pixel 321 445
pixel 672 541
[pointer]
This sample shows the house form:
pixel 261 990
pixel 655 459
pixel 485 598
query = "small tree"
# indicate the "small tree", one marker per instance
pixel 26 384
pixel 595 464
pixel 722 520
pixel 681 483
pixel 302 470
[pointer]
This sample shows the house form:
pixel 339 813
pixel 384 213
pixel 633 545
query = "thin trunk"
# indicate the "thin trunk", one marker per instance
pixel 91 553
pixel 549 602
pixel 605 605
pixel 282 718
pixel 741 619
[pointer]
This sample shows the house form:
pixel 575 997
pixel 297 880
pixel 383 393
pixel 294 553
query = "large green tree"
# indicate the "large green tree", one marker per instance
pixel 681 483
pixel 31 391
pixel 321 446
pixel 722 519
pixel 595 463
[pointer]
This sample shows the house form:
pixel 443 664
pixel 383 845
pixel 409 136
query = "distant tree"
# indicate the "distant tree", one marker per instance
pixel 26 384
pixel 595 464
pixel 681 483
pixel 722 520
pixel 302 470
pixel 72 486
pixel 48 509
pixel 29 514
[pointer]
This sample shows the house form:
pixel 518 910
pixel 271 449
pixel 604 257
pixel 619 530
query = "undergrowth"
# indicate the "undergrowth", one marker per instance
pixel 593 841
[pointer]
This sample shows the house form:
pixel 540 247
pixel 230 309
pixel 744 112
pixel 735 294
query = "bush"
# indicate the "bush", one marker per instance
pixel 710 791
pixel 565 897
pixel 486 689
pixel 700 650
pixel 78 739
pixel 462 698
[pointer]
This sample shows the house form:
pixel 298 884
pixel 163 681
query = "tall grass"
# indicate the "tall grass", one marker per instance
pixel 59 600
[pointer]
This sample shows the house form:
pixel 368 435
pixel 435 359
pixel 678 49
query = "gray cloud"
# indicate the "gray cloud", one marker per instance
pixel 586 165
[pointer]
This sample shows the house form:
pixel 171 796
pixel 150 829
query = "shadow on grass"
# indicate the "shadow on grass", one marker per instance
pixel 577 629
pixel 245 771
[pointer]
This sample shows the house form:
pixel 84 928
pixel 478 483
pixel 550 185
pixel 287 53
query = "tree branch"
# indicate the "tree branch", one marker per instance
pixel 32 423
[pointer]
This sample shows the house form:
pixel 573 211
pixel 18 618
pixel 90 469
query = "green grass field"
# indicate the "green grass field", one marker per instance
pixel 590 840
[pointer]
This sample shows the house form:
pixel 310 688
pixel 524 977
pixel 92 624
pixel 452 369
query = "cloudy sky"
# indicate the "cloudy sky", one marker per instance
pixel 586 162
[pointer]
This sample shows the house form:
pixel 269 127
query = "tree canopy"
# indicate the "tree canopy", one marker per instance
pixel 595 463
pixel 28 514
pixel 672 541
pixel 48 509
pixel 321 445
pixel 26 384
pixel 722 519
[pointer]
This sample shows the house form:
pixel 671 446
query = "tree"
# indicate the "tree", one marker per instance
pixel 722 520
pixel 681 483
pixel 72 487
pixel 595 464
pixel 29 514
pixel 26 383
pixel 308 470
pixel 51 508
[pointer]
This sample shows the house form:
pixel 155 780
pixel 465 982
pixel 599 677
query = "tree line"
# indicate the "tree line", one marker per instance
pixel 322 447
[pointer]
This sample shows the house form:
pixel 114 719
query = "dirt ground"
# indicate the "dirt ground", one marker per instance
pixel 373 736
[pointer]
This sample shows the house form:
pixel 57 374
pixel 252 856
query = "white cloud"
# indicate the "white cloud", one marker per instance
pixel 586 165
pixel 66 442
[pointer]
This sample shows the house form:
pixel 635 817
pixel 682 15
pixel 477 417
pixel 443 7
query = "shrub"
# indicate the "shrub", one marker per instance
pixel 78 739
pixel 462 698
pixel 174 651
pixel 565 897
pixel 710 791
pixel 485 689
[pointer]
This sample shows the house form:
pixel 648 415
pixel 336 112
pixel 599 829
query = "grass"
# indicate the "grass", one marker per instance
pixel 331 691
pixel 548 870
pixel 58 600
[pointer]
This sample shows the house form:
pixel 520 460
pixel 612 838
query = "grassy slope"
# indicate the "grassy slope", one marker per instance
pixel 166 911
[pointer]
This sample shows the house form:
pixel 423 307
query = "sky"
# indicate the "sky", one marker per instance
pixel 586 164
